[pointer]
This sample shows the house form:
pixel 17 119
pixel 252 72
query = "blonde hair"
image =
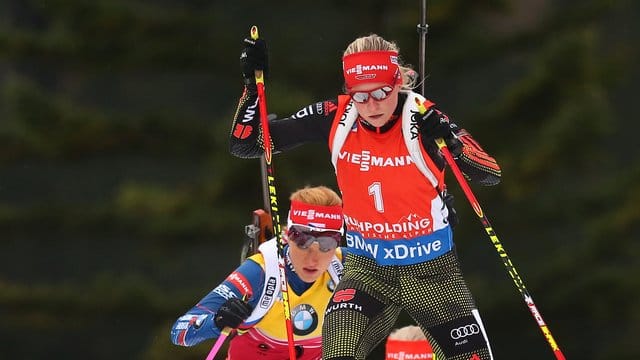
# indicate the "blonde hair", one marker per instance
pixel 316 195
pixel 374 42
pixel 408 333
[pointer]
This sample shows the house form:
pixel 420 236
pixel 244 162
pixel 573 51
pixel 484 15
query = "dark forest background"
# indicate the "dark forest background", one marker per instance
pixel 120 205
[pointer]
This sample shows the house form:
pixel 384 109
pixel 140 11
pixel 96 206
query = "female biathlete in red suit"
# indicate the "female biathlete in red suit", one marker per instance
pixel 398 223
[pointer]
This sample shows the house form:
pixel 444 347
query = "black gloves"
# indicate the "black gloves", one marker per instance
pixel 433 125
pixel 453 215
pixel 232 313
pixel 254 57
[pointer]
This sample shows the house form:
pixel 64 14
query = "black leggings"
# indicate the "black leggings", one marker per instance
pixel 368 300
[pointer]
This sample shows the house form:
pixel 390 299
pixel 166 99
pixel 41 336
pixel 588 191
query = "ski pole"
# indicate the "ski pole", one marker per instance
pixel 223 336
pixel 273 201
pixel 423 28
pixel 496 242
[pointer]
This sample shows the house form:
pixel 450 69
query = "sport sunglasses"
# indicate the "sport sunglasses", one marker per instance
pixel 304 237
pixel 378 94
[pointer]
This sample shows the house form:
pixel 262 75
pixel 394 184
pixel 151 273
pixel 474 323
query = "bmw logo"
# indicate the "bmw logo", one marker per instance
pixel 305 319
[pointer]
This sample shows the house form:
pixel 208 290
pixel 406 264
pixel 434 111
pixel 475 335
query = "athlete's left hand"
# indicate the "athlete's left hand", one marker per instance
pixel 435 124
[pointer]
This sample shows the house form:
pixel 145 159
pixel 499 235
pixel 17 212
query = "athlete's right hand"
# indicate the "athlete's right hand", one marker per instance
pixel 254 57
pixel 232 313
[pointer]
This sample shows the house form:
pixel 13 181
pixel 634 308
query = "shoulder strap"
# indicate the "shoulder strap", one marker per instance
pixel 412 136
pixel 271 287
pixel 343 123
pixel 335 269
